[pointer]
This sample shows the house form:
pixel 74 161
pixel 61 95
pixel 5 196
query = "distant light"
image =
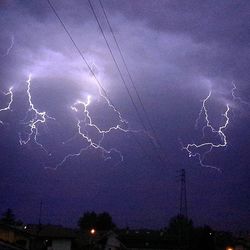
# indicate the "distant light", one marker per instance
pixel 92 231
pixel 230 248
pixel 25 227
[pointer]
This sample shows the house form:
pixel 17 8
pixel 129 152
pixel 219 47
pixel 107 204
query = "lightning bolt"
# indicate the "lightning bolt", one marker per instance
pixel 192 148
pixel 204 110
pixel 88 118
pixel 34 119
pixel 121 119
pixel 8 107
pixel 123 124
pixel 87 122
pixel 10 47
pixel 37 119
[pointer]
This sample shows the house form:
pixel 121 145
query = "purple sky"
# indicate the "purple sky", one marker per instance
pixel 176 52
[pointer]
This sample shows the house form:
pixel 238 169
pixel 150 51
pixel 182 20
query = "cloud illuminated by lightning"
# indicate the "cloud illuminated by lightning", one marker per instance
pixel 84 124
pixel 34 119
pixel 37 118
pixel 193 148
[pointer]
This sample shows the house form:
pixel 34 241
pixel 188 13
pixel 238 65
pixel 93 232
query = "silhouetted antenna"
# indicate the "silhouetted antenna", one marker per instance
pixel 40 212
pixel 183 194
pixel 40 218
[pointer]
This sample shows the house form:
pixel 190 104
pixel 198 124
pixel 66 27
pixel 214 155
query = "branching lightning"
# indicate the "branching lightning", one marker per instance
pixel 84 123
pixel 8 107
pixel 87 122
pixel 193 148
pixel 37 119
pixel 34 119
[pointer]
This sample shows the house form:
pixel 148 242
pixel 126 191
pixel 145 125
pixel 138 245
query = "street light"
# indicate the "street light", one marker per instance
pixel 92 238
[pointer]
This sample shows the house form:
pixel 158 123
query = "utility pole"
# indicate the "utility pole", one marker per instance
pixel 183 194
pixel 183 219
pixel 40 213
pixel 40 218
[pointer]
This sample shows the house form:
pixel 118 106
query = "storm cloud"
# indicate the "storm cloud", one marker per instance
pixel 176 52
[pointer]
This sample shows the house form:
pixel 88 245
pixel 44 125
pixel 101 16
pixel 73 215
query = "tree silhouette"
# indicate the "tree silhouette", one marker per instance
pixel 102 221
pixel 8 218
pixel 87 221
pixel 203 238
pixel 180 230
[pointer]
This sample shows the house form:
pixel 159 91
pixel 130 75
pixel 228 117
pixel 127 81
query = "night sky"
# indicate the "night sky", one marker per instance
pixel 177 53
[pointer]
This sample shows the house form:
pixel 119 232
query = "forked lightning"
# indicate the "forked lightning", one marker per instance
pixel 193 148
pixel 37 118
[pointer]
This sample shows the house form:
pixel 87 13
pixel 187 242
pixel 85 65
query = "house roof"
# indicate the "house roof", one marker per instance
pixel 51 231
pixel 6 246
pixel 17 229
pixel 146 239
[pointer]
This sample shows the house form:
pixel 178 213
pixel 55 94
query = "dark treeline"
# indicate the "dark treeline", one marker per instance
pixel 180 231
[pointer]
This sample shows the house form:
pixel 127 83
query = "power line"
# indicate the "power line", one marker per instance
pixel 183 194
pixel 130 77
pixel 117 66
pixel 123 80
pixel 90 69
pixel 123 60
pixel 79 51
